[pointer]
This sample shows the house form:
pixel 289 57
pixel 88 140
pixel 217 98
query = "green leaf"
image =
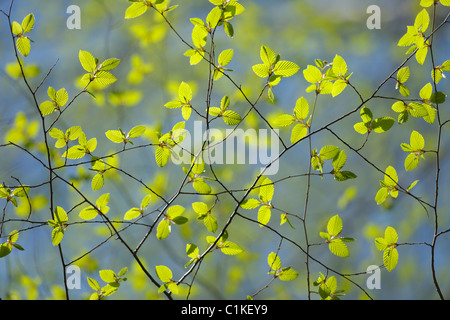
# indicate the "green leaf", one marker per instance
pixel 122 272
pixel 390 177
pixel 136 9
pixel 229 30
pixel 131 214
pixel 23 45
pixel 334 226
pixel 411 162
pixel 16 28
pixel 233 8
pixel 102 202
pixel 224 103
pixel 417 110
pixel 173 287
pixel 421 54
pixel 199 36
pixel 107 275
pixel 426 91
pixel 174 104
pixel 115 136
pixel 403 75
pixel 60 215
pixel 328 152
pixel 57 236
pixel 283 120
pixel 431 114
pixel 366 115
pixel 422 21
pixel 87 61
pixel 186 112
pixel 268 57
pixel 136 131
pixel 399 106
pixel 339 160
pixel 287 274
pixel 338 86
pixel 75 152
pixel 360 127
pixel 192 250
pixel 264 214
pixel 328 288
pixel 261 70
pixel 184 92
pixel 390 258
pixel 21 191
pixel 5 249
pixel 61 97
pixel 312 74
pixel 273 81
pixel 285 68
pixel 225 57
pixel 214 111
pixel 13 236
pixel 426 3
pixel 93 284
pixel 301 109
pixel 338 248
pixel 110 289
pixel 298 132
pixel 164 273
pixel 417 141
pixel 162 156
pixel 266 190
pixel 230 248
pixel 201 186
pixel 146 201
pixel 339 66
pixel 381 244
pixel 325 236
pixel 213 17
pixel 406 147
pixel 250 204
pixel 200 208
pixel 404 91
pixel 109 64
pixel 382 124
pixel 163 230
pixel 91 145
pixel 210 223
pixel 390 235
pixel 104 78
pixel 412 185
pixel 438 97
pixel 274 261
pixel 231 118
pixel 28 23
pixel 88 213
pixel 344 175
pixel 175 211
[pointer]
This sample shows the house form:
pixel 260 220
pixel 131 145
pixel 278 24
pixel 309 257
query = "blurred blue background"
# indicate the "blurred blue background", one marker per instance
pixel 300 31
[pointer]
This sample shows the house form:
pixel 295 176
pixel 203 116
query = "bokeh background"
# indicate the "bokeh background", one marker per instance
pixel 300 31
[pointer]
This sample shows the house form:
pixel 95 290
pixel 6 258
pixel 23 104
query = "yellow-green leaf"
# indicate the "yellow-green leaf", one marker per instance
pixel 339 248
pixel 28 23
pixel 135 10
pixel 390 258
pixel 334 226
pixel 274 261
pixel 23 45
pixel 87 61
